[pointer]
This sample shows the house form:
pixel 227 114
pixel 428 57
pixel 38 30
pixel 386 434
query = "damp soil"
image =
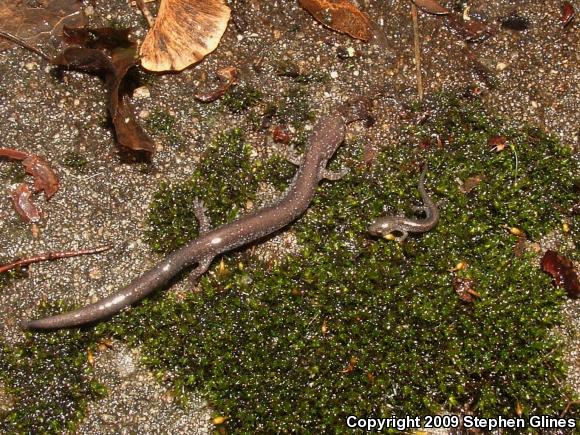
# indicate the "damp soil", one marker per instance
pixel 525 76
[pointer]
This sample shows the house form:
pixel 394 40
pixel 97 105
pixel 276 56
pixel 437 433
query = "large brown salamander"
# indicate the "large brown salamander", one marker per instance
pixel 329 133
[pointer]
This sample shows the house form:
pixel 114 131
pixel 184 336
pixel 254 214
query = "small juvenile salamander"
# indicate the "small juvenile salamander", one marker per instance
pixel 329 133
pixel 389 226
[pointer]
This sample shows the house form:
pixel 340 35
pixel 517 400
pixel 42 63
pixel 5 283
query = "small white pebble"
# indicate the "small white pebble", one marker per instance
pixel 142 92
pixel 333 74
pixel 356 73
pixel 350 51
pixel 501 66
pixel 89 10
pixel 30 66
pixel 143 114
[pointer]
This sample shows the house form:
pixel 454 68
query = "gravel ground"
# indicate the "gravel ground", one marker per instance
pixel 535 74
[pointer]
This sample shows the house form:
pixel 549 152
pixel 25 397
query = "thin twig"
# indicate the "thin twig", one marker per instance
pixel 50 256
pixel 24 44
pixel 146 12
pixel 568 406
pixel 417 43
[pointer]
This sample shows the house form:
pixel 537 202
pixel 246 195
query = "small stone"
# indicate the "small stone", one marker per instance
pixel 144 114
pixel 501 66
pixel 30 66
pixel 333 74
pixel 89 10
pixel 95 273
pixel 142 92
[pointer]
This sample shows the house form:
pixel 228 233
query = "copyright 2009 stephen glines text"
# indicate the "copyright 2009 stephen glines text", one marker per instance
pixel 455 421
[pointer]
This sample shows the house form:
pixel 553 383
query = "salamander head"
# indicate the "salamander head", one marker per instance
pixel 389 229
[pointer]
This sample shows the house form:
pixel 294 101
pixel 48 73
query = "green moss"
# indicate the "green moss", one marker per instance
pixel 241 97
pixel 354 325
pixel 224 180
pixel 49 380
pixel 161 123
pixel 294 107
pixel 76 161
pixel 287 68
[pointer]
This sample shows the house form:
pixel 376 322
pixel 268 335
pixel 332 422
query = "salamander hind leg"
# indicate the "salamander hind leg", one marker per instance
pixel 201 215
pixel 333 175
pixel 201 268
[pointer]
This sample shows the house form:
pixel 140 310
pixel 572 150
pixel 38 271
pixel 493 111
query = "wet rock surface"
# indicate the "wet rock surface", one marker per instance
pixel 528 76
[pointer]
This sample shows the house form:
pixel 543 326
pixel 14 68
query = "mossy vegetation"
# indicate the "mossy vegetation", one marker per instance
pixel 241 97
pixel 76 161
pixel 162 124
pixel 49 381
pixel 351 325
pixel 225 181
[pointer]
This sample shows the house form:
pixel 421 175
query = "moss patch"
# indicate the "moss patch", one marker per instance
pixel 355 325
pixel 49 380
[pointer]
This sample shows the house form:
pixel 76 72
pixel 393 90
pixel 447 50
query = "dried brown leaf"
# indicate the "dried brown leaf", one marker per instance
pixel 465 289
pixel 44 177
pixel 22 200
pixel 13 154
pixel 472 30
pixel 228 76
pixel 563 272
pixel 340 15
pixel 568 13
pixel 37 25
pixel 112 66
pixel 185 31
pixel 431 6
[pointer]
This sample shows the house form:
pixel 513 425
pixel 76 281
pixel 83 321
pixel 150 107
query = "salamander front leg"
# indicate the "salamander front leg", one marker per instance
pixel 293 157
pixel 201 215
pixel 204 226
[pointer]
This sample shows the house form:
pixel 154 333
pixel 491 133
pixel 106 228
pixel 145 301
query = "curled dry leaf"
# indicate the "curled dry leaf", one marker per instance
pixel 471 183
pixel 563 272
pixel 472 30
pixel 45 178
pixel 497 143
pixel 185 31
pixel 22 200
pixel 340 15
pixel 431 6
pixel 228 76
pixel 567 13
pixel 464 287
pixel 112 61
pixel 37 24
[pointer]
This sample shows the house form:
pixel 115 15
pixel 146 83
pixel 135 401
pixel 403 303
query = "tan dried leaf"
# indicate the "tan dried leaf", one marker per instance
pixel 431 7
pixel 185 31
pixel 340 15
pixel 35 25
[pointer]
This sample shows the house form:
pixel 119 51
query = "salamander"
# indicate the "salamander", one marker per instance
pixel 328 134
pixel 398 227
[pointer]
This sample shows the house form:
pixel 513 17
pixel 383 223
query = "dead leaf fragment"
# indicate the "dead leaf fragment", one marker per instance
pixel 112 64
pixel 567 13
pixel 471 31
pixel 464 287
pixel 563 272
pixel 340 15
pixel 44 177
pixel 22 200
pixel 471 183
pixel 228 77
pixel 185 31
pixel 431 6
pixel 36 25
